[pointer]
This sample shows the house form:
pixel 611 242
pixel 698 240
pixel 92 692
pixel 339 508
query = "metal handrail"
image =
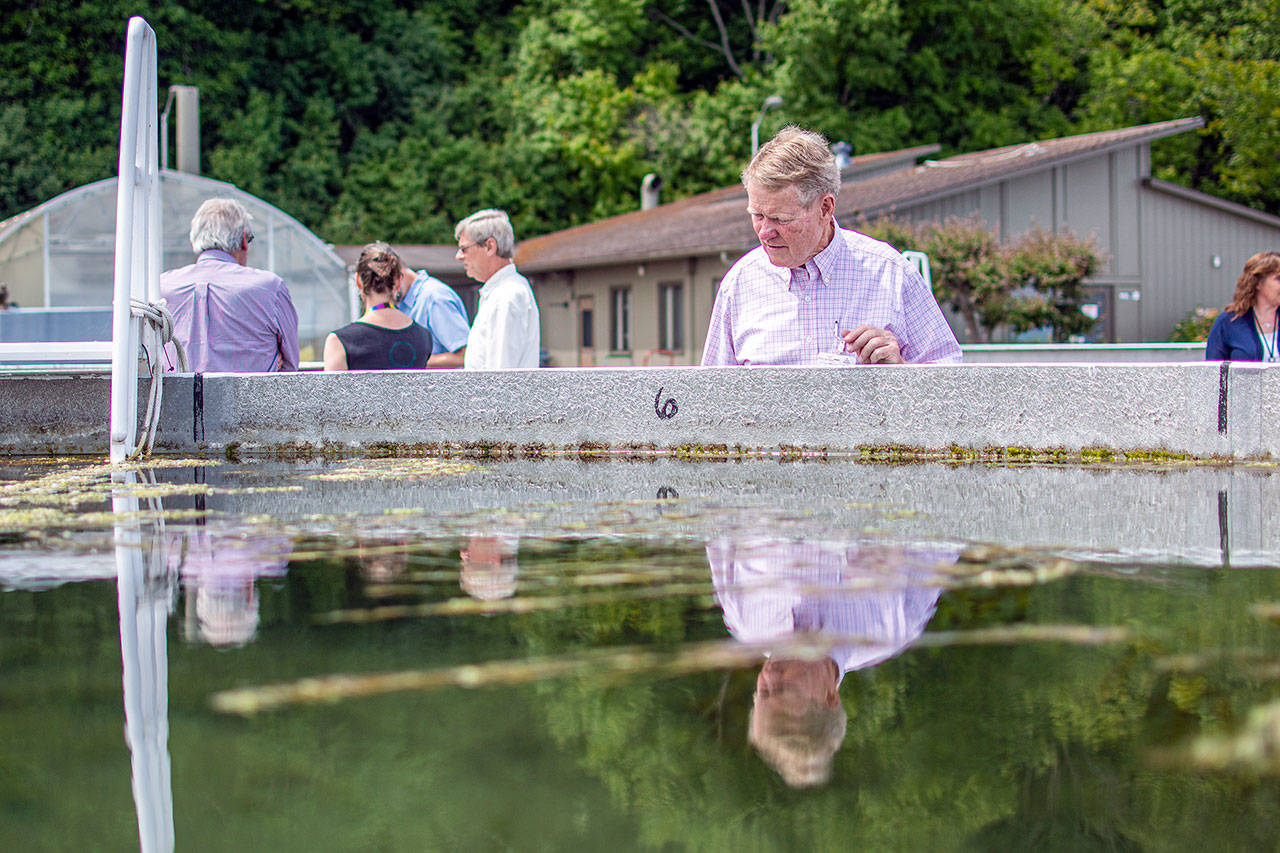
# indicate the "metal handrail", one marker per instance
pixel 138 229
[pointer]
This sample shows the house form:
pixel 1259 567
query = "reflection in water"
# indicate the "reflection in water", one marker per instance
pixel 382 561
pixel 219 570
pixel 489 567
pixel 1011 741
pixel 861 604
pixel 145 592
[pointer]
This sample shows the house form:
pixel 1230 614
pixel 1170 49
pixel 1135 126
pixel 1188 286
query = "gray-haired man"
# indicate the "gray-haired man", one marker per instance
pixel 506 330
pixel 230 317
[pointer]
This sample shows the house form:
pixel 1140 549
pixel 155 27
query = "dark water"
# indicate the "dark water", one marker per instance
pixel 572 654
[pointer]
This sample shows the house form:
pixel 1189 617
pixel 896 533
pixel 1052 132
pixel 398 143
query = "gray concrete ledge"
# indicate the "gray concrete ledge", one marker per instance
pixel 1205 410
pixel 1196 515
pixel 1081 353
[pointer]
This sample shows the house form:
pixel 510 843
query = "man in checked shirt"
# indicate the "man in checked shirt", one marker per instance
pixel 812 287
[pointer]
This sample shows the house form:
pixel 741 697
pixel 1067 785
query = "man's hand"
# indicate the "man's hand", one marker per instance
pixel 872 345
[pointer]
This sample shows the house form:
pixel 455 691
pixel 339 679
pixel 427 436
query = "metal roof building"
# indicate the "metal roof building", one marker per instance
pixel 639 286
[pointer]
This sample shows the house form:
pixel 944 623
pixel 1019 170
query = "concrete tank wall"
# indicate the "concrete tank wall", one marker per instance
pixel 1202 410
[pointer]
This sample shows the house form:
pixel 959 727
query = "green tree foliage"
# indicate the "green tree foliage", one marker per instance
pixel 1052 267
pixel 1196 57
pixel 383 119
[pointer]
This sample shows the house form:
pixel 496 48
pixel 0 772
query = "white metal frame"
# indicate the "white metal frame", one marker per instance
pixel 138 229
pixel 921 262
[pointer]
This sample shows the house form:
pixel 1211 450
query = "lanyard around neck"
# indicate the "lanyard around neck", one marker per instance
pixel 1270 347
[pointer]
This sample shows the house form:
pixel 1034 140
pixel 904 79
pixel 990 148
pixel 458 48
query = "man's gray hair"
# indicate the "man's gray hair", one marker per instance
pixel 795 158
pixel 483 224
pixel 220 223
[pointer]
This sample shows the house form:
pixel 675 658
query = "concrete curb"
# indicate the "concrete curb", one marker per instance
pixel 1208 410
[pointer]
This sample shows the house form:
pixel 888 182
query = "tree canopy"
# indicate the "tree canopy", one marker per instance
pixel 387 119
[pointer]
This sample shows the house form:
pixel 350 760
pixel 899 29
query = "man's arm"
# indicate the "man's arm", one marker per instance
pixel 287 330
pixel 507 334
pixel 925 338
pixel 447 359
pixel 718 349
pixel 444 315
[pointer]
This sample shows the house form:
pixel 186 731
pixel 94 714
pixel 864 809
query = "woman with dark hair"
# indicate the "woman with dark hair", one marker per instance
pixel 384 338
pixel 1249 328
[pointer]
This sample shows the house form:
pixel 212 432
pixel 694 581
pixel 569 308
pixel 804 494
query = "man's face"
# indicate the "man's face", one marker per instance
pixel 784 683
pixel 477 258
pixel 407 277
pixel 790 232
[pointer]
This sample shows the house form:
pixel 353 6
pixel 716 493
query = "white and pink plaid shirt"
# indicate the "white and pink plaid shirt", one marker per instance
pixel 766 314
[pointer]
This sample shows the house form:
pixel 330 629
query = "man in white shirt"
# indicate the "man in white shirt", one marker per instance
pixel 506 330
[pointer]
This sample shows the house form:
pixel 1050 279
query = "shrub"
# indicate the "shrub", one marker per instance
pixel 1195 326
pixel 1036 281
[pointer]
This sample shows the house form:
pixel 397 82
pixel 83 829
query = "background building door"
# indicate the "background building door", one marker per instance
pixel 586 331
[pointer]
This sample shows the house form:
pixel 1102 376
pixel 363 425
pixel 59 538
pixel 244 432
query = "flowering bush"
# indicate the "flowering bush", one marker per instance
pixel 1035 281
pixel 1195 326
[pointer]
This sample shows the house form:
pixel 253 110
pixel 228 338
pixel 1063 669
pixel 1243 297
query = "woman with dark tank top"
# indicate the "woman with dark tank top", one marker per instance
pixel 384 338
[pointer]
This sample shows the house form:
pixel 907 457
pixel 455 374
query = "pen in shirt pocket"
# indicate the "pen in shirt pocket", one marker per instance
pixel 840 342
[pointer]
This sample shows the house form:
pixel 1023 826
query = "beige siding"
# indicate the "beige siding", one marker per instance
pixel 1087 186
pixel 558 296
pixel 1029 203
pixel 1182 238
pixel 557 317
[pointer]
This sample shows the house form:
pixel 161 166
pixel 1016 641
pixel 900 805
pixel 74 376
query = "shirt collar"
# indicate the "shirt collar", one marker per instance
pixel 217 255
pixel 496 279
pixel 825 261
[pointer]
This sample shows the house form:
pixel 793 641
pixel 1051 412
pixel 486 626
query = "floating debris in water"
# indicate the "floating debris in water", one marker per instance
pixel 523 604
pixel 1080 635
pixel 625 661
pixel 615 663
pixel 1253 751
pixel 993 565
pixel 397 468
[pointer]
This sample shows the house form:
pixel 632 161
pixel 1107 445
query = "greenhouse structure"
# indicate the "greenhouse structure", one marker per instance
pixel 57 261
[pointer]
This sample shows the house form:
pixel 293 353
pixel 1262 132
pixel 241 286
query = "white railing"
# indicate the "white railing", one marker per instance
pixel 921 262
pixel 138 231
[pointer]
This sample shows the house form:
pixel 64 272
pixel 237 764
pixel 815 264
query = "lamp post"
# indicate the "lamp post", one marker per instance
pixel 769 103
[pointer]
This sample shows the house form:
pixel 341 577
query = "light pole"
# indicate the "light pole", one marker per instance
pixel 769 103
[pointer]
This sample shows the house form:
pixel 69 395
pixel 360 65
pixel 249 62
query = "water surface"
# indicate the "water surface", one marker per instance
pixel 568 653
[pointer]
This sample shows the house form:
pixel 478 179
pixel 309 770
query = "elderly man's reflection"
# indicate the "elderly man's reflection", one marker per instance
pixel 861 604
pixel 489 567
pixel 219 570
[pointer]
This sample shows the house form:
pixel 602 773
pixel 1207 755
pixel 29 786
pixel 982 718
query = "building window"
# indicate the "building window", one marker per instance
pixel 671 317
pixel 620 319
pixel 588 329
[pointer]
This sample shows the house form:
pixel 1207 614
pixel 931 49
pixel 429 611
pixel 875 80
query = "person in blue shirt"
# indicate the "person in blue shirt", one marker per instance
pixel 1249 328
pixel 435 305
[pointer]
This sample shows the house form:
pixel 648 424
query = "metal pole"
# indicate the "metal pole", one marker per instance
pixel 769 103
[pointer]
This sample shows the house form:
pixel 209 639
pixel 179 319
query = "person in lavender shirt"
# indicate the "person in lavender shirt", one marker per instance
pixel 231 317
pixel 819 609
pixel 812 289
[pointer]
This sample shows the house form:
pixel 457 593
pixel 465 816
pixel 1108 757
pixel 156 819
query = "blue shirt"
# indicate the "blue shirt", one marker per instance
pixel 1235 339
pixel 434 304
